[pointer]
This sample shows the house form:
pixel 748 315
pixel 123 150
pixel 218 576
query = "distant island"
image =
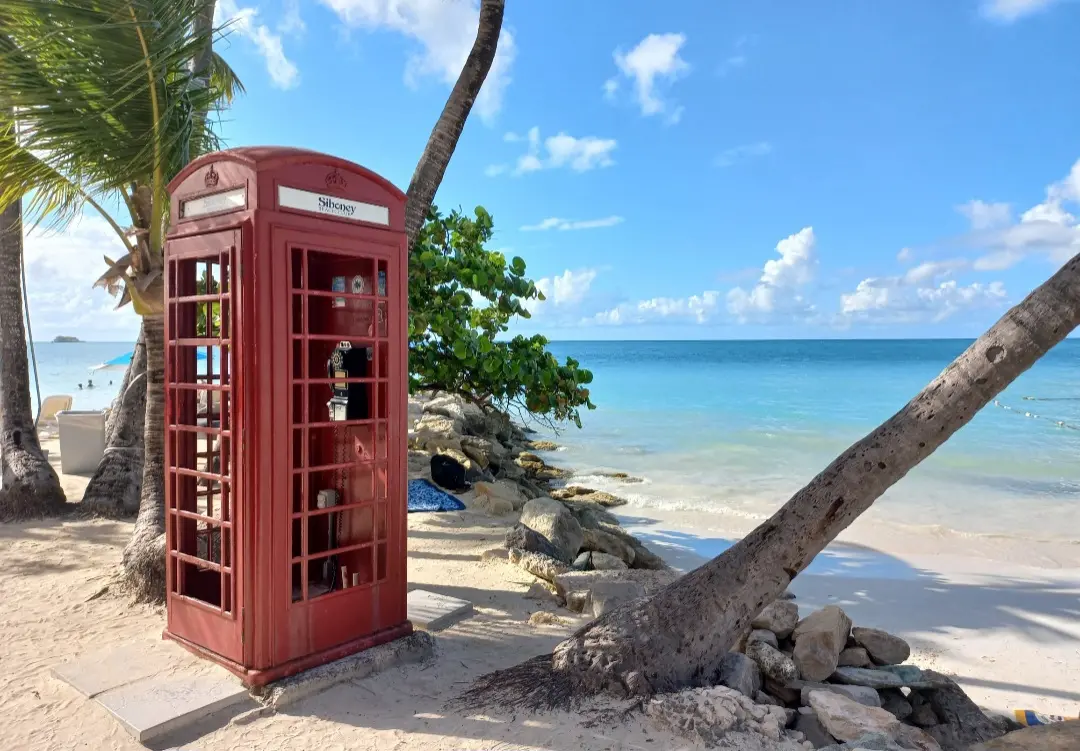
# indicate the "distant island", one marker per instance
pixel 66 340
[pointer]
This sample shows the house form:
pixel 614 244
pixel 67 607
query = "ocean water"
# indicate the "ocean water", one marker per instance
pixel 62 367
pixel 737 427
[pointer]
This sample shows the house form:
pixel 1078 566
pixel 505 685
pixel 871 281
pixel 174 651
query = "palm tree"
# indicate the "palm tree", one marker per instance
pixel 30 487
pixel 111 109
pixel 666 642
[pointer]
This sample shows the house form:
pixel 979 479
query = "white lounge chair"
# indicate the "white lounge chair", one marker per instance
pixel 46 419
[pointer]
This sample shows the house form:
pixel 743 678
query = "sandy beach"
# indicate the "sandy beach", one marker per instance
pixel 971 608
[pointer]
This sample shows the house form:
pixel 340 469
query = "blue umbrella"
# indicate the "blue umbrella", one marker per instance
pixel 123 361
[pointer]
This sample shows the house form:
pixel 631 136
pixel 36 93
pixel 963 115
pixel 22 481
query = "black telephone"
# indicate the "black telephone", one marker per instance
pixel 348 401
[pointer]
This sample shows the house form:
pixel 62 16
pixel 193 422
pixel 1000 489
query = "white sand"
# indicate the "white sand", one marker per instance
pixel 1011 634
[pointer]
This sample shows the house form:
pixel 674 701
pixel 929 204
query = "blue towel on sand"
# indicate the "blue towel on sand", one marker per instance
pixel 424 496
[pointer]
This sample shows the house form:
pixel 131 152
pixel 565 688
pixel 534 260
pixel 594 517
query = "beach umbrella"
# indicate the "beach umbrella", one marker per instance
pixel 123 361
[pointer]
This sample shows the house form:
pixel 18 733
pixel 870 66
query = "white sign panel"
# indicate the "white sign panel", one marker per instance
pixel 342 208
pixel 228 200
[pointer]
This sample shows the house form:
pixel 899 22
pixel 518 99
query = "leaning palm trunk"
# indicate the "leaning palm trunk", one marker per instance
pixel 144 556
pixel 30 487
pixel 444 136
pixel 115 487
pixel 669 641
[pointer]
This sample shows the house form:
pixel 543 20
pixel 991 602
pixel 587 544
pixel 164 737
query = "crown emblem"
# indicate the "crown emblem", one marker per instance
pixel 336 180
pixel 211 178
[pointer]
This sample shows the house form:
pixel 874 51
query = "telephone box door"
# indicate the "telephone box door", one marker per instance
pixel 202 563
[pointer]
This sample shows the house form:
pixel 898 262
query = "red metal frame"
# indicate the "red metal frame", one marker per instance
pixel 278 610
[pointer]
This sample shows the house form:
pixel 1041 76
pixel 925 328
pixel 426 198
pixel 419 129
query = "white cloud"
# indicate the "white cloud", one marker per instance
pixel 1008 11
pixel 61 268
pixel 291 23
pixel 611 88
pixel 984 215
pixel 781 279
pixel 698 308
pixel 564 224
pixel 737 59
pixel 653 64
pixel 741 153
pixel 554 152
pixel 904 255
pixel 244 21
pixel 563 295
pixel 445 30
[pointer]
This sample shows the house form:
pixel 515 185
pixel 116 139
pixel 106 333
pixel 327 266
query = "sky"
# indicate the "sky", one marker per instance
pixel 701 169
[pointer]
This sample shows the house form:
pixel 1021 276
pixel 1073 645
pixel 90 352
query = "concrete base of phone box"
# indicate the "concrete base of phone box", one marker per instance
pixel 255 679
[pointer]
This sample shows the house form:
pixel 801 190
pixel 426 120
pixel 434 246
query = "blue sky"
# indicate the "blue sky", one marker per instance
pixel 693 169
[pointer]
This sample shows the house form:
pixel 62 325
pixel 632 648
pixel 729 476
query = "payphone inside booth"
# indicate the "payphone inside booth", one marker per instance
pixel 304 561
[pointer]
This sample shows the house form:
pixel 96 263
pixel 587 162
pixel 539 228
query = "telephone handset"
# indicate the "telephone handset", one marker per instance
pixel 348 401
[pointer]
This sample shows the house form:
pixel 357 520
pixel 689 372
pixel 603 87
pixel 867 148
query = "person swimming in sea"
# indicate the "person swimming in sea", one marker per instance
pixel 89 384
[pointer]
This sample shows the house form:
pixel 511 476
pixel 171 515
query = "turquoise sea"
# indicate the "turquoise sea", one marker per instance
pixel 737 427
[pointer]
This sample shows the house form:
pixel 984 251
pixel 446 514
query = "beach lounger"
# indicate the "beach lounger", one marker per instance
pixel 46 418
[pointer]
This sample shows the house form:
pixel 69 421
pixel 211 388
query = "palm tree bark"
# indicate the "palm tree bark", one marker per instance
pixel 144 556
pixel 444 136
pixel 114 490
pixel 31 487
pixel 669 641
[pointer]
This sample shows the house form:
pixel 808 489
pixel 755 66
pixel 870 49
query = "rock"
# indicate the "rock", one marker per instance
pixel 419 464
pixel 541 591
pixel 482 451
pixel 739 672
pixel 787 594
pixel 583 562
pixel 883 647
pixel 1003 722
pixel 543 566
pixel 498 425
pixel 492 505
pixel 761 634
pixel 713 715
pixel 819 640
pixel 555 522
pixel 591 515
pixel 807 723
pixel 434 432
pixel 646 559
pixel 854 657
pixel 466 416
pixel 543 445
pixel 495 554
pixel 773 663
pixel 583 581
pixel 503 489
pixel 578 493
pixel 780 617
pixel 868 697
pixel 578 600
pixel 603 542
pixel 607 562
pixel 895 703
pixel 847 720
pixel 608 595
pixel 543 618
pixel 871 742
pixel 521 537
pixel 1061 736
pixel 787 694
pixel 448 472
pixel 922 714
pixel 763 698
pixel 898 676
pixel 961 722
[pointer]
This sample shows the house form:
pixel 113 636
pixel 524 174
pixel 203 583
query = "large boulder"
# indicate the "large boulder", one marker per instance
pixel 608 595
pixel 883 647
pixel 466 416
pixel 522 538
pixel 591 515
pixel 961 722
pixel 482 451
pixel 605 542
pixel 819 640
pixel 854 657
pixel 434 432
pixel 780 617
pixel 555 522
pixel 894 701
pixel 573 587
pixel 715 714
pixel 606 562
pixel 868 697
pixel 847 720
pixel 763 634
pixel 503 489
pixel 739 672
pixel 1061 736
pixel 491 505
pixel 773 663
pixel 893 676
pixel 578 493
pixel 543 566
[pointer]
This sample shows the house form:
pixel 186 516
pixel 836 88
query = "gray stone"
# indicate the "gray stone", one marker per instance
pixel 922 714
pixel 608 595
pixel 819 640
pixel 880 678
pixel 606 562
pixel 495 554
pixel 465 416
pixel 504 489
pixel 773 663
pixel 739 672
pixel 868 697
pixel 555 522
pixel 647 560
pixel 1061 736
pixel 780 617
pixel 521 537
pixel 583 562
pixel 603 542
pixel 894 702
pixel 491 505
pixel 961 722
pixel 433 612
pixel 537 564
pixel 810 726
pixel 159 705
pixel 763 698
pixel 883 647
pixel 789 695
pixel 762 634
pixel 435 433
pixel 847 720
pixel 871 742
pixel 591 515
pixel 482 451
pixel 854 657
pixel 583 581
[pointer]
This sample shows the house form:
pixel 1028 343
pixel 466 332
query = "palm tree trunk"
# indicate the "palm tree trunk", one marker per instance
pixel 444 136
pixel 144 556
pixel 31 487
pixel 114 489
pixel 666 642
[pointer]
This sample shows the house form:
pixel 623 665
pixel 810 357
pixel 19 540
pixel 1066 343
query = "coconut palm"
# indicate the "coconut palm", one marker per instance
pixel 110 107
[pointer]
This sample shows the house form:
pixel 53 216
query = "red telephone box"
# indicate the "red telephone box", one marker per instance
pixel 286 397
